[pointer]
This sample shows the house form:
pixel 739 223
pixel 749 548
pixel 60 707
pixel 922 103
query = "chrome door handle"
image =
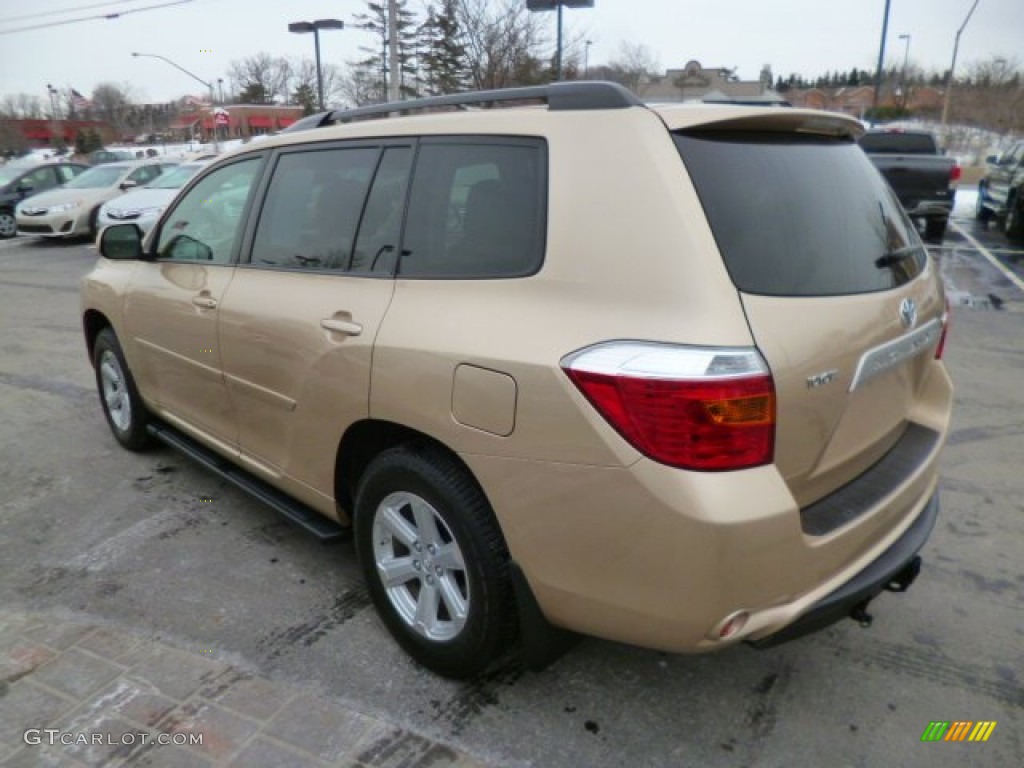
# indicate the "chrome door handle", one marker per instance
pixel 206 302
pixel 347 327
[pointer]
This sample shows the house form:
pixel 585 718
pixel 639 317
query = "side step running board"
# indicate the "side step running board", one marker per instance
pixel 306 518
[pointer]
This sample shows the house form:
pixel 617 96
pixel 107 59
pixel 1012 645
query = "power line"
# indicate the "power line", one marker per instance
pixel 9 19
pixel 92 18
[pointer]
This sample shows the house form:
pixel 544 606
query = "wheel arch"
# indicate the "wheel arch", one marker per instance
pixel 93 321
pixel 367 438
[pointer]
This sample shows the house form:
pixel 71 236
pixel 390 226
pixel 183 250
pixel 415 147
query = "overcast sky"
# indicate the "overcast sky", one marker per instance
pixel 808 37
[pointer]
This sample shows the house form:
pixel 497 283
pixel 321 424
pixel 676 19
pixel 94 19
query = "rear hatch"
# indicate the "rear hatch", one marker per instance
pixel 839 292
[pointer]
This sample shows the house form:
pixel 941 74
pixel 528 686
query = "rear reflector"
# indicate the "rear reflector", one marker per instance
pixel 710 409
pixel 954 173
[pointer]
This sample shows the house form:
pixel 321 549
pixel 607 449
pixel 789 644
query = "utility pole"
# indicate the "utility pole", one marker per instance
pixel 881 62
pixel 952 72
pixel 393 92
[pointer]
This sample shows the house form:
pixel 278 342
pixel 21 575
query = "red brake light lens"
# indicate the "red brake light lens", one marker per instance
pixel 954 173
pixel 693 408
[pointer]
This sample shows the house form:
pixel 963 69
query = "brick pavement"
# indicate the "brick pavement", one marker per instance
pixel 111 696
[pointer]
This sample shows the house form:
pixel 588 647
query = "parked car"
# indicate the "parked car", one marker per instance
pixel 922 175
pixel 101 156
pixel 73 209
pixel 1001 191
pixel 597 368
pixel 18 181
pixel 143 206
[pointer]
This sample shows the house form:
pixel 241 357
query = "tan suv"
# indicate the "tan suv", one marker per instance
pixel 666 375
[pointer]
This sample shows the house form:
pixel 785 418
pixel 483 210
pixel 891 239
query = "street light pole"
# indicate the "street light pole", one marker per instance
pixel 213 98
pixel 302 27
pixel 952 71
pixel 586 58
pixel 556 5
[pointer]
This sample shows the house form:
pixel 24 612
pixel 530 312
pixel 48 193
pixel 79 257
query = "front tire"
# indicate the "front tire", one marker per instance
pixel 126 414
pixel 434 559
pixel 8 225
pixel 981 213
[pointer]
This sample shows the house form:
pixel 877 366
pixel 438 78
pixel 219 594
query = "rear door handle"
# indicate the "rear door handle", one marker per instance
pixel 348 327
pixel 206 302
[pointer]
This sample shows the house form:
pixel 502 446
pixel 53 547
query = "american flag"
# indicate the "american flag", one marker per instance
pixel 78 101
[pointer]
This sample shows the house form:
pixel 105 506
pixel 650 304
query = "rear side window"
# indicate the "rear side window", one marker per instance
pixel 476 209
pixel 895 143
pixel 800 215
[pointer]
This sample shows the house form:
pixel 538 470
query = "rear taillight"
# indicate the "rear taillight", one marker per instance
pixel 941 346
pixel 954 173
pixel 710 409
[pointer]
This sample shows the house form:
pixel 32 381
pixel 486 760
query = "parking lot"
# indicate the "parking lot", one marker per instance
pixel 154 547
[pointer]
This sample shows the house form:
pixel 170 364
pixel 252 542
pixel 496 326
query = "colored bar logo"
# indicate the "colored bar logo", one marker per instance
pixel 958 730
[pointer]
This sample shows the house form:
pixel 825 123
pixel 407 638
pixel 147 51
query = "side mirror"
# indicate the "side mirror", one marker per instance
pixel 25 189
pixel 128 184
pixel 121 242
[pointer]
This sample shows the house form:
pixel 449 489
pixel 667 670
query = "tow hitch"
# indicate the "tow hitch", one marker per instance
pixel 899 582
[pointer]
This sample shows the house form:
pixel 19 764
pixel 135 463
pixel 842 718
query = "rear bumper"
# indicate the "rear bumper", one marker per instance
pixel 894 570
pixel 936 209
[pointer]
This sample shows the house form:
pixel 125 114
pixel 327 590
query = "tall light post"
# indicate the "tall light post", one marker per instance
pixel 903 74
pixel 952 71
pixel 557 5
pixel 302 27
pixel 586 58
pixel 213 98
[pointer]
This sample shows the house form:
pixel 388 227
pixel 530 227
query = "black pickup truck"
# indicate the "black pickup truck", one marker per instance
pixel 920 173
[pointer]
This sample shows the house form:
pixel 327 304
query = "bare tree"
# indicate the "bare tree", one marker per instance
pixel 112 103
pixel 25 106
pixel 634 67
pixel 503 43
pixel 261 78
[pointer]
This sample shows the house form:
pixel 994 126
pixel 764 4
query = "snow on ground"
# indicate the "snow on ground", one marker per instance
pixel 966 199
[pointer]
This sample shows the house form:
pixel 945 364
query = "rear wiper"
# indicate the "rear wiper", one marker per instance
pixel 897 255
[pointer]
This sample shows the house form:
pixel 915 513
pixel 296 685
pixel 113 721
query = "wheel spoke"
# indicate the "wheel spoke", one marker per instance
pixel 449 557
pixel 111 376
pixel 398 526
pixel 398 571
pixel 426 522
pixel 426 609
pixel 453 600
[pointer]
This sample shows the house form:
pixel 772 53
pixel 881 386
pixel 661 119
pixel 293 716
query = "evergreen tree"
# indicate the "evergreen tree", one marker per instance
pixel 443 57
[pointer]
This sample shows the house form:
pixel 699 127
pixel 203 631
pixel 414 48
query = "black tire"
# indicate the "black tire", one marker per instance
pixel 441 491
pixel 1013 223
pixel 94 224
pixel 935 229
pixel 8 224
pixel 126 414
pixel 981 213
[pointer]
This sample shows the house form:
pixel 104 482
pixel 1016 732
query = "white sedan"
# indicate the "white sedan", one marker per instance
pixel 143 207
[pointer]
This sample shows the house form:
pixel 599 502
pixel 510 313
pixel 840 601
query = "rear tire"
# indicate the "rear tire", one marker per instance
pixel 935 229
pixel 981 213
pixel 126 414
pixel 94 224
pixel 434 560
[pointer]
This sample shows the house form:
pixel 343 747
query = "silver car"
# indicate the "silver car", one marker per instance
pixel 143 207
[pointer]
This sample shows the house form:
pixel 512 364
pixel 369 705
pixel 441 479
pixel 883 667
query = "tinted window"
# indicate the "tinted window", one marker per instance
pixel 475 210
pixel 801 216
pixel 205 223
pixel 145 174
pixel 40 179
pixel 893 142
pixel 312 209
pixel 68 172
pixel 376 248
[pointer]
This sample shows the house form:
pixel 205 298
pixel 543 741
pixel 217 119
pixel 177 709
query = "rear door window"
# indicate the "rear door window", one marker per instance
pixel 798 215
pixel 476 209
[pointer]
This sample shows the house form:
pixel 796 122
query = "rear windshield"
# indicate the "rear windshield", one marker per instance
pixel 799 215
pixel 899 143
